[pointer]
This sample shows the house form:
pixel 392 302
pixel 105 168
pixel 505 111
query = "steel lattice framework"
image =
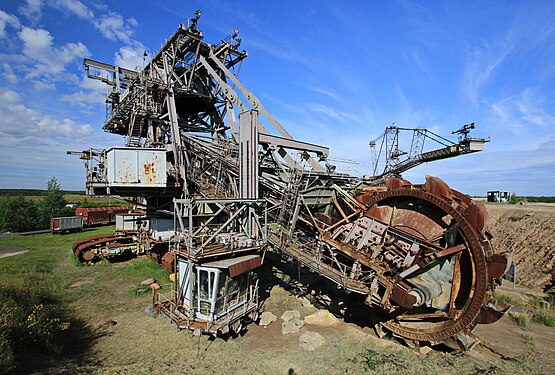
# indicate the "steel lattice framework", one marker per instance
pixel 235 183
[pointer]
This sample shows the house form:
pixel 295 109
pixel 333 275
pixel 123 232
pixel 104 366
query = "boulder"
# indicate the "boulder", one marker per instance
pixel 425 350
pixel 322 318
pixel 290 314
pixel 107 323
pixel 148 281
pixel 311 340
pixel 306 302
pixel 291 326
pixel 267 318
pixel 151 312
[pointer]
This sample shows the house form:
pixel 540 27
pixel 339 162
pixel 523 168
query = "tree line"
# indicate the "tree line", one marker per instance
pixel 18 214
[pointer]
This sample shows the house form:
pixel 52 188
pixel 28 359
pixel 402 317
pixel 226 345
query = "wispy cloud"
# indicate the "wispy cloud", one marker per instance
pixel 32 9
pixel 321 90
pixel 414 58
pixel 522 114
pixel 6 20
pixel 482 62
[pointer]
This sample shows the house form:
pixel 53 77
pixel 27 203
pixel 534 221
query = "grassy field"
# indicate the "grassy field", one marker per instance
pixel 58 316
pixel 83 200
pixel 48 300
pixel 80 199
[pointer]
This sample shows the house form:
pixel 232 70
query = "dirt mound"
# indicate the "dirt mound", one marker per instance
pixel 527 231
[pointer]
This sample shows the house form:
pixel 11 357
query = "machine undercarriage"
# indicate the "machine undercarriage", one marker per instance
pixel 216 190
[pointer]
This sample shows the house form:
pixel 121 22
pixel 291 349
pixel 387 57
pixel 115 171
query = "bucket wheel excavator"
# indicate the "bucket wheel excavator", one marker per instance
pixel 216 190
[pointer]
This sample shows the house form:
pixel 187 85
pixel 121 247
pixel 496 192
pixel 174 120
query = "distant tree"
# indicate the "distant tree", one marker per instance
pixel 53 204
pixel 514 199
pixel 18 214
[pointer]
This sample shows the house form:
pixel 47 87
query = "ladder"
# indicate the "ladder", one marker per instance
pixel 135 132
pixel 290 198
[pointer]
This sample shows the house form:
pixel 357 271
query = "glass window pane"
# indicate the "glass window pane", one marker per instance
pixel 204 287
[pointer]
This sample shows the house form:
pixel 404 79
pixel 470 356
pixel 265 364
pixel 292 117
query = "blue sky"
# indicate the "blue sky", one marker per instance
pixel 334 73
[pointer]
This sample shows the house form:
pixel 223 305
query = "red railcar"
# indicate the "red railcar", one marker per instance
pixel 100 215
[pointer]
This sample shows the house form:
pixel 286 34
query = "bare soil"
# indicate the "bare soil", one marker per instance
pixel 137 344
pixel 133 343
pixel 529 232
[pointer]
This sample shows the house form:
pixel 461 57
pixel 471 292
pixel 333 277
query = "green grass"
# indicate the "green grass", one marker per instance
pixel 521 320
pixel 528 339
pixel 535 301
pixel 87 201
pixel 402 361
pixel 145 268
pixel 32 298
pixel 42 318
pixel 142 269
pixel 545 317
pixel 81 199
pixel 505 299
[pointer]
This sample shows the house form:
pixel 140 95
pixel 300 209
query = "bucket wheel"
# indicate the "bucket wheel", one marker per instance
pixel 451 291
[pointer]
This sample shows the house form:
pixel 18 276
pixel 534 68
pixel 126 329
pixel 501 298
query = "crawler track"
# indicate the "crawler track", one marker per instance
pixel 98 247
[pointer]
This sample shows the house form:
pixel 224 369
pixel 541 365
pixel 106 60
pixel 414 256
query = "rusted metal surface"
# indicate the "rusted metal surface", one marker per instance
pixel 437 187
pixel 402 298
pixel 396 183
pixel 419 254
pixel 100 215
pixel 499 264
pixel 480 282
pixel 168 261
pixel 93 247
pixel 477 215
pixel 238 266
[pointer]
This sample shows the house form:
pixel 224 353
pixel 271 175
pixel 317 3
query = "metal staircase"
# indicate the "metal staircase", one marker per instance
pixel 290 198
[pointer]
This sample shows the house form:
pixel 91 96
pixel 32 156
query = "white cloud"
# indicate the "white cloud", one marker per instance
pixel 532 112
pixel 31 123
pixel 32 9
pixel 33 145
pixel 409 117
pixel 43 86
pixel 36 42
pixel 50 60
pixel 74 7
pixel 83 98
pixel 5 20
pixel 320 90
pixel 93 93
pixel 130 56
pixel 332 115
pixel 114 27
pixel 482 63
pixel 9 74
pixel 521 113
pixel 111 25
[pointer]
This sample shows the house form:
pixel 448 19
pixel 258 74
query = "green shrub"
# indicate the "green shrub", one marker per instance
pixel 529 339
pixel 545 318
pixel 505 299
pixel 521 320
pixel 514 199
pixel 535 300
pixel 18 214
pixel 28 321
